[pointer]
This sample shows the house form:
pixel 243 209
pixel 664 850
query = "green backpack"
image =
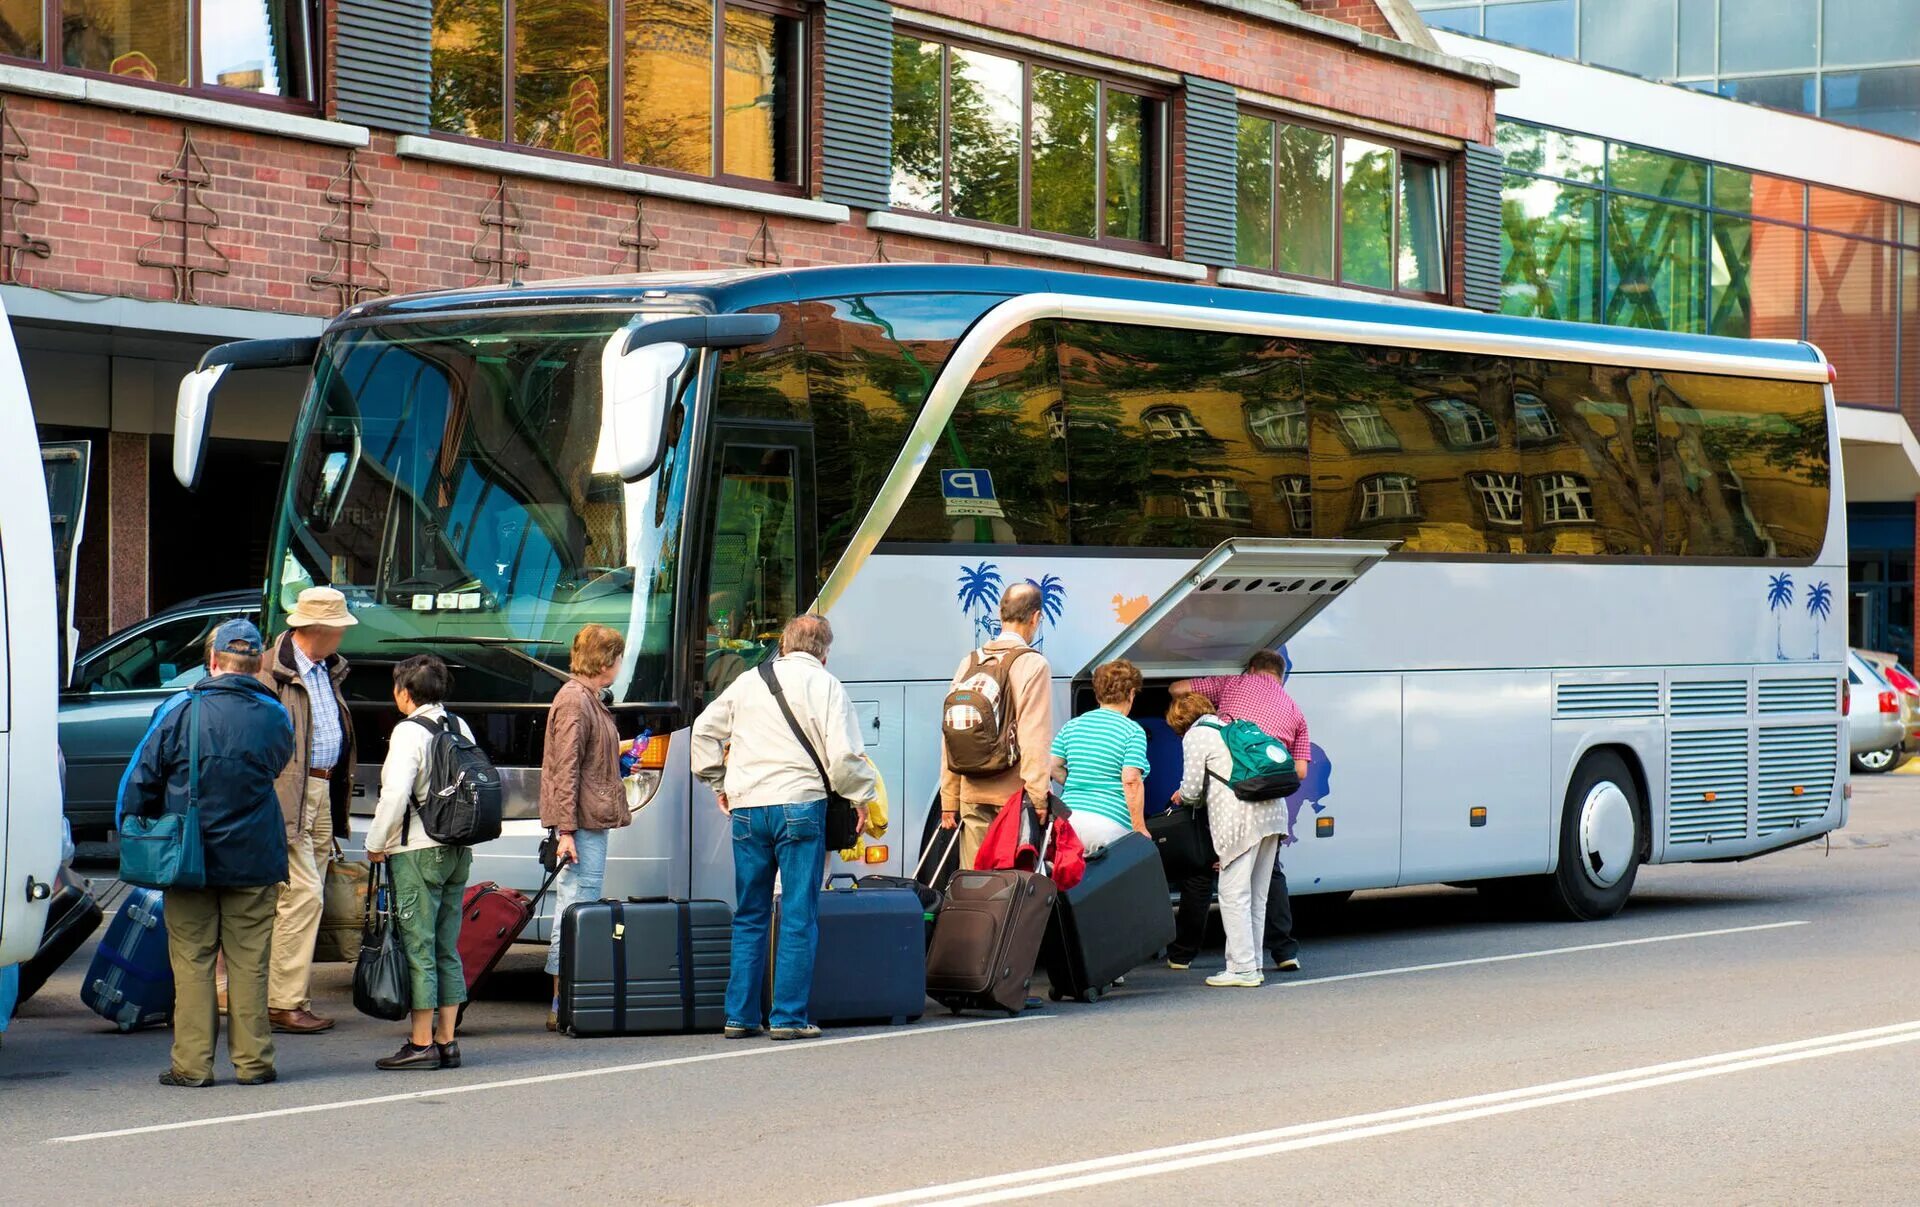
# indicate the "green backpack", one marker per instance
pixel 1263 770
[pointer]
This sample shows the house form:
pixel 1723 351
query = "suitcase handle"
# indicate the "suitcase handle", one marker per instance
pixel 852 880
pixel 953 848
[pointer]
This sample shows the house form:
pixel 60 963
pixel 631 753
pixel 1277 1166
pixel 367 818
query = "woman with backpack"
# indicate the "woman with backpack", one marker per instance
pixel 1246 835
pixel 429 880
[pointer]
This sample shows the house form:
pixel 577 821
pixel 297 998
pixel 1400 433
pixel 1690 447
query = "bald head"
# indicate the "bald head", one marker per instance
pixel 1020 603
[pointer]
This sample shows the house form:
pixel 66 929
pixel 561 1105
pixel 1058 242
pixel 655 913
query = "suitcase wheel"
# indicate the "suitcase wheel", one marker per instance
pixel 1092 995
pixel 1054 995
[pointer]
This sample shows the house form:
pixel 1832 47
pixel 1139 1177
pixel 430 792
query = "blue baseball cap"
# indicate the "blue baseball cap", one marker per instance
pixel 238 636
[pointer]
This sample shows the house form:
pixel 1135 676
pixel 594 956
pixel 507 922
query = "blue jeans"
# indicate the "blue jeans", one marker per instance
pixel 578 881
pixel 791 839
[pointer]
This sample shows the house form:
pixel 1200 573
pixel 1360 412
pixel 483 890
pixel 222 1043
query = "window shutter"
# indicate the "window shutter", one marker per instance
pixel 857 126
pixel 1211 129
pixel 383 63
pixel 1480 274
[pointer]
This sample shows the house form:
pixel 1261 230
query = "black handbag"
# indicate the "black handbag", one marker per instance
pixel 843 822
pixel 382 979
pixel 1185 841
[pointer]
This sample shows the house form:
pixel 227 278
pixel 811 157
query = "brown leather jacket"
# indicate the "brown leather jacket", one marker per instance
pixel 580 785
pixel 282 674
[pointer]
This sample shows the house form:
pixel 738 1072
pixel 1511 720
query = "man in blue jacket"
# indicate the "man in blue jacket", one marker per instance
pixel 246 739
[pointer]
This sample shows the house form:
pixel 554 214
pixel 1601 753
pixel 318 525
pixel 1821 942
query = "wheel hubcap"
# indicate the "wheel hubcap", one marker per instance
pixel 1606 834
pixel 1877 759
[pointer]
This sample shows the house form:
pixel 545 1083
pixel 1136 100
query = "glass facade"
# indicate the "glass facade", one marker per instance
pixel 1855 61
pixel 260 47
pixel 1611 233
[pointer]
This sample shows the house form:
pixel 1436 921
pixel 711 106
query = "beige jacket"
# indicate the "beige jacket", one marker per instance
pixel 1031 682
pixel 743 746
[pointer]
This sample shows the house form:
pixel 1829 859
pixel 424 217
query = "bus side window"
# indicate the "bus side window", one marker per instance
pixel 754 575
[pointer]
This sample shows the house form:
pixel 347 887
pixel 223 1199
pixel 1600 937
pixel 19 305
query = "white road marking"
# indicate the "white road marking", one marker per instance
pixel 757 1049
pixel 1296 983
pixel 1198 1154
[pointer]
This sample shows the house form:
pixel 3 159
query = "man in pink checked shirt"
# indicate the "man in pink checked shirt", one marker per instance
pixel 1259 695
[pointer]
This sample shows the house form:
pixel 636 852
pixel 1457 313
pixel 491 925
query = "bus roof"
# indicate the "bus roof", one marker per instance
pixel 734 290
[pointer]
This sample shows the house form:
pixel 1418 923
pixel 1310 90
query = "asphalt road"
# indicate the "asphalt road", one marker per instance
pixel 1744 1033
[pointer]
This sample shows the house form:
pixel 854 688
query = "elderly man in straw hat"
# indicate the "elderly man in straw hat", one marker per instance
pixel 306 670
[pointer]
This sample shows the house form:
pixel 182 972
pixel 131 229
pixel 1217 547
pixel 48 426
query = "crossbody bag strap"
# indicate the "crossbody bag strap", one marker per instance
pixel 193 750
pixel 434 728
pixel 793 723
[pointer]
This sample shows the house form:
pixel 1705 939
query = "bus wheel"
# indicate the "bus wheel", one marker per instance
pixel 1600 841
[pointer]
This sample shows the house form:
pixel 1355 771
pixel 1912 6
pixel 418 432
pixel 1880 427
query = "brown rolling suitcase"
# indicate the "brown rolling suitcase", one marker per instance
pixel 986 939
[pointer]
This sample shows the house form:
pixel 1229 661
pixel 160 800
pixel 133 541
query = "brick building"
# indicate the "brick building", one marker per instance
pixel 178 173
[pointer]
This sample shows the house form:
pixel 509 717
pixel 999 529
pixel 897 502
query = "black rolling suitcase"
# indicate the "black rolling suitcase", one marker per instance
pixel 72 917
pixel 929 891
pixel 644 966
pixel 1113 921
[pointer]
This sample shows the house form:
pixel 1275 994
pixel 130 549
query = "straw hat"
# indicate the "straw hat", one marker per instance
pixel 322 606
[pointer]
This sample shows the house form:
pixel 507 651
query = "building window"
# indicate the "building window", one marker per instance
pixel 1500 497
pixel 1314 203
pixel 1564 499
pixel 1295 492
pixel 245 48
pixel 1462 424
pixel 1389 497
pixel 700 87
pixel 1216 499
pixel 1280 426
pixel 1364 427
pixel 1173 423
pixel 992 138
pixel 1534 418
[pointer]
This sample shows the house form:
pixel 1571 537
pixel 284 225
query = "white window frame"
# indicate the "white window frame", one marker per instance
pixel 1172 422
pixel 1214 498
pixel 1534 421
pixel 1459 419
pixel 1503 497
pixel 1289 414
pixel 1365 427
pixel 1295 492
pixel 1565 498
pixel 1378 489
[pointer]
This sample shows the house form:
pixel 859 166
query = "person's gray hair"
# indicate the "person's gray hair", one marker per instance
pixel 1019 603
pixel 809 634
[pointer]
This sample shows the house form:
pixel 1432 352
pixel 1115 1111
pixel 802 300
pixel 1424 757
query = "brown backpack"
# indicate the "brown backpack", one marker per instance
pixel 977 718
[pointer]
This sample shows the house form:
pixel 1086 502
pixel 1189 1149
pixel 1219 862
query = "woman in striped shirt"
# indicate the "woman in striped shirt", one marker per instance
pixel 1101 759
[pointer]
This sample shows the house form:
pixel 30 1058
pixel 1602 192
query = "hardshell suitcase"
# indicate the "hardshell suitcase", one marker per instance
pixel 130 983
pixel 1113 921
pixel 871 965
pixel 72 917
pixel 987 938
pixel 644 966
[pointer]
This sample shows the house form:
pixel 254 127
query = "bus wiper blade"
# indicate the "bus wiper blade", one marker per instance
pixel 504 644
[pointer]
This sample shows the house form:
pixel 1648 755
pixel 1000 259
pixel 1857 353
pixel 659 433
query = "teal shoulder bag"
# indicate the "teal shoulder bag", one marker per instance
pixel 164 852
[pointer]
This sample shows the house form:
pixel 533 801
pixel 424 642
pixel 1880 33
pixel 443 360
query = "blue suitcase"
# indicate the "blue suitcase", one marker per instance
pixel 871 965
pixel 131 981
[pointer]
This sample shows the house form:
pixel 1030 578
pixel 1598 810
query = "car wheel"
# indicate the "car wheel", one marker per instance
pixel 1600 841
pixel 1873 762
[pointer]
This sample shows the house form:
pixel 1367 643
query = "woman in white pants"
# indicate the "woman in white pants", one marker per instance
pixel 1246 836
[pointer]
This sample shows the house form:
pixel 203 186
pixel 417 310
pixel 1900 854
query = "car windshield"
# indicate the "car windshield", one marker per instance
pixel 455 480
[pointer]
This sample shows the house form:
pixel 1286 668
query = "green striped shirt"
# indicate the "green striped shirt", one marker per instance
pixel 1097 745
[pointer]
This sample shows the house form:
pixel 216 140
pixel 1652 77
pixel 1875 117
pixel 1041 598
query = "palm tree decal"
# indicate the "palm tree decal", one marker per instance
pixel 1819 606
pixel 979 595
pixel 1779 598
pixel 1053 603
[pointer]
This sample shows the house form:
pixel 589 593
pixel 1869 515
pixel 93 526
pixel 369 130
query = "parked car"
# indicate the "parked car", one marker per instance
pixel 1874 712
pixel 116 686
pixel 1903 681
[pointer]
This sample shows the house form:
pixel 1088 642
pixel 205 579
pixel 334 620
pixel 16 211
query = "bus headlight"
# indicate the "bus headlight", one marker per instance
pixel 644 781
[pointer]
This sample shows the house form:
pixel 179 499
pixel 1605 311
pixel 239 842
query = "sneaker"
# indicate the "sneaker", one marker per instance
pixel 807 1032
pixel 1288 965
pixel 1179 965
pixel 410 1057
pixel 736 1031
pixel 1236 980
pixel 184 1082
pixel 266 1078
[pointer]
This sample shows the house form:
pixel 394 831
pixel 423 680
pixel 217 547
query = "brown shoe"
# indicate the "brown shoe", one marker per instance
pixel 298 1022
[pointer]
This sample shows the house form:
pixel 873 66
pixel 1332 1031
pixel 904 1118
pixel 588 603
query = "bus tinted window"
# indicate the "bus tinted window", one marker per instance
pixel 1743 466
pixel 1585 448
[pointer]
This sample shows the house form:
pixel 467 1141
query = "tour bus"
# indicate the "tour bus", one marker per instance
pixel 30 815
pixel 1557 600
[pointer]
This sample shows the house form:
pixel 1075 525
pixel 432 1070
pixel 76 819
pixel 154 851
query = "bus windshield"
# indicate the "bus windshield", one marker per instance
pixel 455 480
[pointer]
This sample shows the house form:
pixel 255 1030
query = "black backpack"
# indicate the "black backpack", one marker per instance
pixel 462 807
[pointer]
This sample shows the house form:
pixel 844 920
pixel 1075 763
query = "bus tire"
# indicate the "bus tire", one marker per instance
pixel 1600 840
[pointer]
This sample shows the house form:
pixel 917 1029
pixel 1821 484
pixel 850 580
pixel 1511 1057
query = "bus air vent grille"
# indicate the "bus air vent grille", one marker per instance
pixel 1707 770
pixel 1606 699
pixel 1711 698
pixel 1798 766
pixel 1799 695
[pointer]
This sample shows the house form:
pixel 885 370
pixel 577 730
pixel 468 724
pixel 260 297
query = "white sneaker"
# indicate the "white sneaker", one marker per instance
pixel 1236 980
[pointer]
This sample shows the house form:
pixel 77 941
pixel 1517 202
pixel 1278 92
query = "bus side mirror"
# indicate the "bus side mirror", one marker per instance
pixel 192 417
pixel 639 394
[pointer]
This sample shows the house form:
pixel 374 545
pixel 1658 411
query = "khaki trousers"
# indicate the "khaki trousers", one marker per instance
pixel 240 923
pixel 296 924
pixel 974 820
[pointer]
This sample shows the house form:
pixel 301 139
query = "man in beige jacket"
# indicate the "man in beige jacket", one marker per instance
pixel 972 801
pixel 305 669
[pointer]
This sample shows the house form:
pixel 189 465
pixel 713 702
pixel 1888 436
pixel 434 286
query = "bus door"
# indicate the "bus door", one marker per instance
pixel 761 567
pixel 1253 594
